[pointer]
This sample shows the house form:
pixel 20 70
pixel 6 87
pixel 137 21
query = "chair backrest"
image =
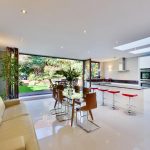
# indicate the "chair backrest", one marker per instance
pixel 54 92
pixel 91 101
pixel 60 87
pixel 52 85
pixel 77 88
pixel 60 95
pixel 85 91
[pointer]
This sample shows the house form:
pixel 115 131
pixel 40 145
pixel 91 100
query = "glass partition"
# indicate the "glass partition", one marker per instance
pixel 95 70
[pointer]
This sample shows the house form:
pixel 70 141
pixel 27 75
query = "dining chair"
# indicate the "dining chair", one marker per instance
pixel 55 96
pixel 85 91
pixel 63 102
pixel 56 105
pixel 91 103
pixel 60 87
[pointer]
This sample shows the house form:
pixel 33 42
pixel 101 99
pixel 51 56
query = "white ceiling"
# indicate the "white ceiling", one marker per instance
pixel 50 24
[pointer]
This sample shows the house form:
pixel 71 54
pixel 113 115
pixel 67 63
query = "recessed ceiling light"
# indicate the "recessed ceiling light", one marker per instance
pixel 140 51
pixel 84 31
pixel 134 44
pixel 23 11
pixel 61 47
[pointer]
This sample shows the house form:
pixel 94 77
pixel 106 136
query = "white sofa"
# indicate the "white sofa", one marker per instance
pixel 16 127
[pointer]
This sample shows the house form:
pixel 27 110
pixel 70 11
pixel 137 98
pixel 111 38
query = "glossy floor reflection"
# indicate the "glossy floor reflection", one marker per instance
pixel 118 131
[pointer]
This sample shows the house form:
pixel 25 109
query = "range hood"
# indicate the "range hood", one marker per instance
pixel 122 65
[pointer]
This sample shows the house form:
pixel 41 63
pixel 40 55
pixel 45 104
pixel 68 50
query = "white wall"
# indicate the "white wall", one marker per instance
pixel 144 62
pixel 111 69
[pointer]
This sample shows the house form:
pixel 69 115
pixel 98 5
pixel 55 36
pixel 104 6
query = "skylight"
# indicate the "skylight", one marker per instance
pixel 140 51
pixel 132 45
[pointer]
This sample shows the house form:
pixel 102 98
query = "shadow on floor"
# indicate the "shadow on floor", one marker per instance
pixel 36 95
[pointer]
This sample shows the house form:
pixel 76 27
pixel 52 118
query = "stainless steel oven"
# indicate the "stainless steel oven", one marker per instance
pixel 145 77
pixel 145 84
pixel 145 74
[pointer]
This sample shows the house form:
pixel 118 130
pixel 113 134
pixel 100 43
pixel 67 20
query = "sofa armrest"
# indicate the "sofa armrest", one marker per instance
pixel 9 103
pixel 13 144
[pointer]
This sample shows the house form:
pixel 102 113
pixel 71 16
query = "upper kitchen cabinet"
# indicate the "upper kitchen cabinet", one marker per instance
pixel 144 62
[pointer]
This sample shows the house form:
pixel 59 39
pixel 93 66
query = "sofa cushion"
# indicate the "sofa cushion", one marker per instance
pixel 2 107
pixel 15 111
pixel 13 144
pixel 20 126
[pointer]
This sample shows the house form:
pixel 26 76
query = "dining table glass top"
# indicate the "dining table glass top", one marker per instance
pixel 71 94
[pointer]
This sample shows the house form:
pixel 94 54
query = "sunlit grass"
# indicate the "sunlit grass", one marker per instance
pixel 26 89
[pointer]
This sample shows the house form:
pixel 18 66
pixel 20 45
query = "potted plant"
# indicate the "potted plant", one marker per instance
pixel 9 72
pixel 70 74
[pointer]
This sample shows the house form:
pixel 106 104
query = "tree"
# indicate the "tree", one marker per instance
pixel 49 74
pixel 31 64
pixel 41 68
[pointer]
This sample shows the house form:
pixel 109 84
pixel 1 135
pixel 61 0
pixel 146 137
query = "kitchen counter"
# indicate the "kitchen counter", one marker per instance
pixel 122 101
pixel 119 85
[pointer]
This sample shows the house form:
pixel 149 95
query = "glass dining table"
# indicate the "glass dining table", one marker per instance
pixel 74 98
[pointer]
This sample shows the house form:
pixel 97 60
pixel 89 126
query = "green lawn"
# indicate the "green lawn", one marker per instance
pixel 26 89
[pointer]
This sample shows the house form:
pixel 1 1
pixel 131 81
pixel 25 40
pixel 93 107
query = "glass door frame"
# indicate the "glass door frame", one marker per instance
pixel 90 70
pixel 84 70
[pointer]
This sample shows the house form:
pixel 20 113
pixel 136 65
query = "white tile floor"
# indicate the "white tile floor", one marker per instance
pixel 118 131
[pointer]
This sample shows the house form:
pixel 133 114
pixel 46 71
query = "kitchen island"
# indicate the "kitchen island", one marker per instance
pixel 122 101
pixel 121 85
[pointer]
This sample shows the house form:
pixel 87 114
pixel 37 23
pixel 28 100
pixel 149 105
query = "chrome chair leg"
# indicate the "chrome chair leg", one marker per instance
pixel 54 111
pixel 61 112
pixel 88 131
pixel 64 116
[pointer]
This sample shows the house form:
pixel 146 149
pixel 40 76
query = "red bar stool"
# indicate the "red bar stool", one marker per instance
pixel 93 89
pixel 103 91
pixel 114 93
pixel 130 96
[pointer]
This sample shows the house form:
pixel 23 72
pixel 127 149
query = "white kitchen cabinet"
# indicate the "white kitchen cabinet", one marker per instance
pixel 144 62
